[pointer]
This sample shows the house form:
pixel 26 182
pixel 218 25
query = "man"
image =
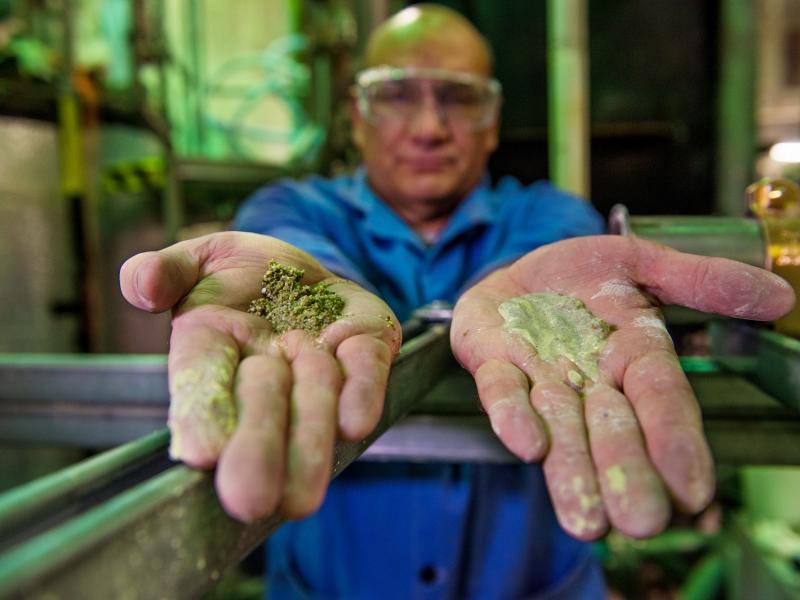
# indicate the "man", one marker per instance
pixel 421 222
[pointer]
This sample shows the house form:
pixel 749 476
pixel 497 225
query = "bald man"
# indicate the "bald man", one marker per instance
pixel 418 222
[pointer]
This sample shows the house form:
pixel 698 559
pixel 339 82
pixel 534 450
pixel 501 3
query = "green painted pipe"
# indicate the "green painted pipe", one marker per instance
pixel 19 503
pixel 568 95
pixel 735 106
pixel 296 15
pixel 168 537
pixel 705 580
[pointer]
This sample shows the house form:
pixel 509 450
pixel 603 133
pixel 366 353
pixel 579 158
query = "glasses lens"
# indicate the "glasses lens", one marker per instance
pixel 467 103
pixel 463 104
pixel 397 98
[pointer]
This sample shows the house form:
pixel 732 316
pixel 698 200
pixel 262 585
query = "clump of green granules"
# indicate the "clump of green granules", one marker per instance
pixel 559 326
pixel 288 304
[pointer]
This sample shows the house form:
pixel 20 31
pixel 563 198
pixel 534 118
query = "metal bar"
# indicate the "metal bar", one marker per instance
pixel 568 95
pixel 735 106
pixel 21 503
pixel 737 238
pixel 449 438
pixel 776 358
pixel 89 401
pixel 743 424
pixel 83 378
pixel 755 439
pixel 173 524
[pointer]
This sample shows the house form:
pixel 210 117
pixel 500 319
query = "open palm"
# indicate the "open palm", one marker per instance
pixel 264 407
pixel 616 448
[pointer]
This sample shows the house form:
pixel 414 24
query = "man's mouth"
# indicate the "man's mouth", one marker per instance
pixel 428 163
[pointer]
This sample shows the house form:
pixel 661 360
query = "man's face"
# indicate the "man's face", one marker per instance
pixel 429 153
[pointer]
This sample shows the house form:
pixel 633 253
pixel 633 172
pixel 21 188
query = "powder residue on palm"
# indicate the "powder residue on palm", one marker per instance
pixel 559 326
pixel 288 304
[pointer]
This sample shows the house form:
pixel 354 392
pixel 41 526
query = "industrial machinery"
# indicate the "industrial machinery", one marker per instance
pixel 130 523
pixel 127 522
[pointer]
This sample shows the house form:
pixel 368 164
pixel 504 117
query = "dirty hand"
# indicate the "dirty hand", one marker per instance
pixel 264 407
pixel 616 448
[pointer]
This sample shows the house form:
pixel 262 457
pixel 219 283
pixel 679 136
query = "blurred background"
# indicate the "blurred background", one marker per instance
pixel 126 125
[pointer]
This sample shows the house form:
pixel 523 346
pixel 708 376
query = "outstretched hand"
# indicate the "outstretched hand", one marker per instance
pixel 617 448
pixel 264 407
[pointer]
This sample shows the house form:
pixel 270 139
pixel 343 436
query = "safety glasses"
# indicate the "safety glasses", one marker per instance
pixel 389 95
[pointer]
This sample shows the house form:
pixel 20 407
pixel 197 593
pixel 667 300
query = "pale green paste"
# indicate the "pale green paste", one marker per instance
pixel 558 326
pixel 617 480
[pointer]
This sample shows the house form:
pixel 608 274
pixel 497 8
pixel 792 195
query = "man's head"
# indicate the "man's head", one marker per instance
pixel 427 123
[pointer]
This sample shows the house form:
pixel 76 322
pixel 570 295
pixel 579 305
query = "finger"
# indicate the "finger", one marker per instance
pixel 156 281
pixel 202 415
pixel 250 474
pixel 383 325
pixel 365 361
pixel 568 467
pixel 715 285
pixel 312 424
pixel 505 394
pixel 670 419
pixel 634 497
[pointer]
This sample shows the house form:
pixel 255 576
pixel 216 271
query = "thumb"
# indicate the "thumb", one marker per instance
pixel 156 281
pixel 715 285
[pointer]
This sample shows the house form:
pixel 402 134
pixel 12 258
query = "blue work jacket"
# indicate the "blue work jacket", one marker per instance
pixel 438 531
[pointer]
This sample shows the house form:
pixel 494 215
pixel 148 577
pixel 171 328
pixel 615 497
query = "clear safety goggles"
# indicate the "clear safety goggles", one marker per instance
pixel 387 95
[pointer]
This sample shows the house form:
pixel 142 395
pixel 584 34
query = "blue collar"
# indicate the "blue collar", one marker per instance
pixel 477 209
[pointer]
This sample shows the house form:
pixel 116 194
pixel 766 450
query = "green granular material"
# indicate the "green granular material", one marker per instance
pixel 288 304
pixel 558 326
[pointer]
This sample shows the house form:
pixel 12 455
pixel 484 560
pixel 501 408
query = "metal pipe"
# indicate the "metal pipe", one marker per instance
pixel 568 95
pixel 296 16
pixel 737 238
pixel 42 495
pixel 735 106
pixel 173 525
pixel 92 401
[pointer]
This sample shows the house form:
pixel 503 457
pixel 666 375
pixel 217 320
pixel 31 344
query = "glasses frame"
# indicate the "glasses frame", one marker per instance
pixel 372 75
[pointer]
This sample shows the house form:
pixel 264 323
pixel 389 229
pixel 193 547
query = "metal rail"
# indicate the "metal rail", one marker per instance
pixel 94 401
pixel 78 401
pixel 168 536
pixel 29 508
pixel 128 523
pixel 743 424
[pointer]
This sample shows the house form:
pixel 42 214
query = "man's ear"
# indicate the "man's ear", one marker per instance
pixel 492 138
pixel 358 124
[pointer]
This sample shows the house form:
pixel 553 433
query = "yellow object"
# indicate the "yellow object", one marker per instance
pixel 73 180
pixel 777 204
pixel 774 198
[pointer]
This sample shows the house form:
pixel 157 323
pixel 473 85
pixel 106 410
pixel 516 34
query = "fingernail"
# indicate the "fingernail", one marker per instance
pixel 780 280
pixel 147 303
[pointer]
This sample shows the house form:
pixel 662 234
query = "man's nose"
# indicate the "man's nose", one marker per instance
pixel 429 121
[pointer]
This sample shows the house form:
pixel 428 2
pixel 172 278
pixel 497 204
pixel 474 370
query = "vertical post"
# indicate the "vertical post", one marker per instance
pixel 195 28
pixel 735 106
pixel 73 179
pixel 296 16
pixel 568 95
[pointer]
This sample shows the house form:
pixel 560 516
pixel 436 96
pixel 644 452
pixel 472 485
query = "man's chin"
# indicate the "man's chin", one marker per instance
pixel 431 185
